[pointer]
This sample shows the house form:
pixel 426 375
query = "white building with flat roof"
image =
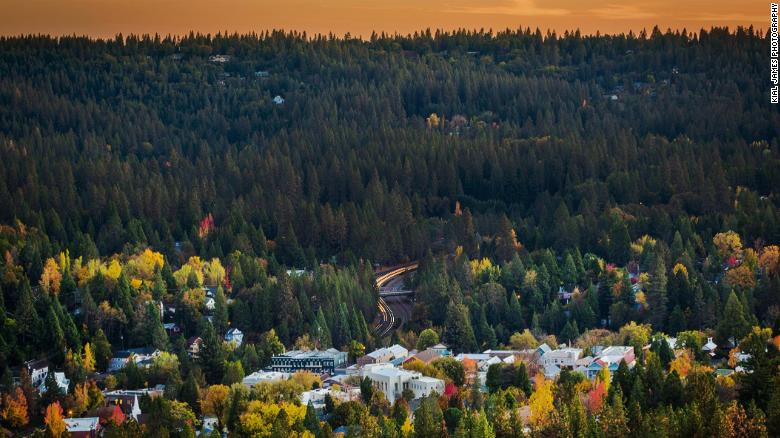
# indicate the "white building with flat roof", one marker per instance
pixel 264 376
pixel 393 381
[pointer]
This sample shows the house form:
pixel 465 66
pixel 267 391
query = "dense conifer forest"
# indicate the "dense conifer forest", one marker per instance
pixel 555 188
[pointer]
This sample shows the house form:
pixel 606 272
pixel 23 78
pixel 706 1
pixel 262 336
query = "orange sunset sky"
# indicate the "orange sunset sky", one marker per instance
pixel 105 18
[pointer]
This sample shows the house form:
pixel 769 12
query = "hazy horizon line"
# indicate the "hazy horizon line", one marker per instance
pixel 395 34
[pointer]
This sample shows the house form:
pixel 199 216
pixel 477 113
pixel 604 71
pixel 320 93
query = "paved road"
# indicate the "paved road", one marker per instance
pixel 393 310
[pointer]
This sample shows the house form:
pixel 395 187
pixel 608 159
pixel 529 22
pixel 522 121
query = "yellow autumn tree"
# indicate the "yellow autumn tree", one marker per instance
pixel 728 244
pixel 51 277
pixel 259 417
pixel 80 398
pixel 433 120
pixel 216 402
pixel 193 265
pixel 114 270
pixel 541 402
pixel 679 268
pixel 54 420
pixel 89 359
pixel 64 260
pixel 213 272
pixel 638 246
pixel 523 341
pixel 407 429
pixel 145 264
pixel 480 267
pixel 604 377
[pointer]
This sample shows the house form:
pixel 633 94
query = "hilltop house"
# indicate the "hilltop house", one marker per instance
pixel 141 356
pixel 235 335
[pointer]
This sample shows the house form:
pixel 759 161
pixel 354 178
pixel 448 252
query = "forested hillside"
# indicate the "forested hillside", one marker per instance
pixel 139 139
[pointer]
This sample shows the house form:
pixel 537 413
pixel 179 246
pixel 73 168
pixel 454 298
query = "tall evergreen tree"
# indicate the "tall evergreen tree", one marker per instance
pixel 212 355
pixel 656 295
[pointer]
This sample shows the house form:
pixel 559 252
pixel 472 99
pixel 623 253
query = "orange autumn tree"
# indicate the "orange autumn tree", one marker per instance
pixel 682 364
pixel 54 420
pixel 14 409
pixel 741 277
pixel 769 260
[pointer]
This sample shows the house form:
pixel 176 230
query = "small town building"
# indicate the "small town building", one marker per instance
pixel 87 427
pixel 315 361
pixel 141 357
pixel 264 376
pixel 235 335
pixel 62 382
pixel 393 381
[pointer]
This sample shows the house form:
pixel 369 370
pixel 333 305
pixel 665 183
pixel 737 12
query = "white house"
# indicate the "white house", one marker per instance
pixel 611 357
pixel 38 370
pixel 562 357
pixel 141 356
pixel 219 58
pixel 710 347
pixel 393 381
pixel 317 397
pixel 87 426
pixel 62 382
pixel 383 355
pixel 441 349
pixel 209 303
pixel 235 335
pixel 552 371
pixel 278 100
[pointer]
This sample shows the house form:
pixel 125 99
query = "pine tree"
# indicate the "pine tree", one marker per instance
pixel 212 355
pixel 250 360
pixel 311 422
pixel 506 240
pixel 458 331
pixel 26 317
pixel 56 337
pixel 486 332
pixel 102 350
pixel 220 317
pixel 429 419
pixel 157 336
pixel 734 325
pixel 656 295
pixel 123 297
pixel 514 319
pixel 522 381
pixel 190 393
pixel 321 330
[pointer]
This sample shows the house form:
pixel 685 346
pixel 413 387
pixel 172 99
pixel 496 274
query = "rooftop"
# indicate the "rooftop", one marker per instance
pixel 302 354
pixel 85 424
